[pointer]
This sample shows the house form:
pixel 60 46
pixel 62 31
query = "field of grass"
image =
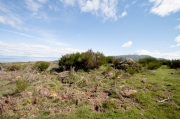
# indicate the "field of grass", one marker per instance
pixel 104 93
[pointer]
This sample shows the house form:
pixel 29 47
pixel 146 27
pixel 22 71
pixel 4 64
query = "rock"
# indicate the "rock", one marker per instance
pixel 169 84
pixel 53 95
pixel 26 94
pixel 44 92
pixel 129 92
pixel 144 80
pixel 129 61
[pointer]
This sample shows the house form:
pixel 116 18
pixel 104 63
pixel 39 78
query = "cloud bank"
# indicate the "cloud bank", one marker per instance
pixel 33 50
pixel 170 55
pixel 104 8
pixel 165 7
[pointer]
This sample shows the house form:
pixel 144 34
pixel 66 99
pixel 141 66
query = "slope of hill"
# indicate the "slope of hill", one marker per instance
pixel 134 57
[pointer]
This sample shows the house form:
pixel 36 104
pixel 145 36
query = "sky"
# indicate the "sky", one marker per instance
pixel 52 28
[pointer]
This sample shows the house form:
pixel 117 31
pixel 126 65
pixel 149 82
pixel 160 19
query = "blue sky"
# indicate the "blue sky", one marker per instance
pixel 52 28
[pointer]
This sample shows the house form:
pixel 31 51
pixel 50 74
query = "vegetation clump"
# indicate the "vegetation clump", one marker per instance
pixel 14 66
pixel 21 85
pixel 175 64
pixel 86 60
pixel 41 65
pixel 150 63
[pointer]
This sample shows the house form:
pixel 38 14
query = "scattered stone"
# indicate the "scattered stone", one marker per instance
pixel 26 94
pixel 129 92
pixel 144 80
pixel 169 84
pixel 53 95
pixel 17 77
pixel 44 92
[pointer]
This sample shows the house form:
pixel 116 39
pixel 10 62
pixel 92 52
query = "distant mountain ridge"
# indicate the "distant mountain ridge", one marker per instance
pixel 134 57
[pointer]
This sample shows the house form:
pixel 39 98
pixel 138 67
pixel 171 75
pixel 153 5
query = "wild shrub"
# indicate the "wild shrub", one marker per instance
pixel 110 105
pixel 150 63
pixel 13 67
pixel 86 60
pixel 117 62
pixel 21 85
pixel 175 64
pixel 69 60
pixel 41 65
pixel 131 71
pixel 109 59
pixel 154 65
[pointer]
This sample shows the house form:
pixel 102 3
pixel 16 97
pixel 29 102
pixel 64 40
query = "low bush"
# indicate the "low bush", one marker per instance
pixel 131 70
pixel 110 105
pixel 117 62
pixel 154 65
pixel 86 60
pixel 41 65
pixel 150 63
pixel 13 67
pixel 110 59
pixel 21 85
pixel 175 64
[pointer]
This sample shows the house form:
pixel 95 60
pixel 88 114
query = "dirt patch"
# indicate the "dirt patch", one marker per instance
pixel 97 99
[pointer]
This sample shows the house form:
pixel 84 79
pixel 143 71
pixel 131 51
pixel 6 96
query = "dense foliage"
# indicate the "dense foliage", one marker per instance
pixel 175 64
pixel 41 65
pixel 150 63
pixel 86 60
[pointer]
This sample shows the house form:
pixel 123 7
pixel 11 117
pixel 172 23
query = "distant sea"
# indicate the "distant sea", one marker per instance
pixel 6 59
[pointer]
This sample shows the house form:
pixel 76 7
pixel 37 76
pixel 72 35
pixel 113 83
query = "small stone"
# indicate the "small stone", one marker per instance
pixel 169 84
pixel 144 80
pixel 129 92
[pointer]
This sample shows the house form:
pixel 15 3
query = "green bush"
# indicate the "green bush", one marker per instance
pixel 154 65
pixel 110 105
pixel 131 71
pixel 110 59
pixel 150 63
pixel 86 60
pixel 175 64
pixel 13 67
pixel 117 62
pixel 41 65
pixel 21 85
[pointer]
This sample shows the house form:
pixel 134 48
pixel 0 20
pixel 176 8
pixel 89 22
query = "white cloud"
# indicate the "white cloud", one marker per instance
pixel 177 27
pixel 177 39
pixel 89 6
pixel 32 50
pixel 103 8
pixel 128 44
pixel 171 55
pixel 165 7
pixel 123 14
